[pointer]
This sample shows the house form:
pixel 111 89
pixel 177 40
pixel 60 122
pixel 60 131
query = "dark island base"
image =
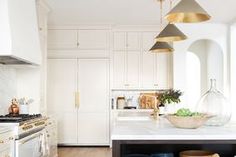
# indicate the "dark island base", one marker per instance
pixel 120 148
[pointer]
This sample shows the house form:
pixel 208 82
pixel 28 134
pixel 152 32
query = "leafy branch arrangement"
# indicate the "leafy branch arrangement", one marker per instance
pixel 170 96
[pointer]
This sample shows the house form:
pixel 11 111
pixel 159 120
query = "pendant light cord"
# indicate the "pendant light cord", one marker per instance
pixel 161 10
pixel 171 3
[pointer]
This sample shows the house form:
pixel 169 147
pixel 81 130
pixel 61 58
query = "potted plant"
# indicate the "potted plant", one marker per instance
pixel 169 97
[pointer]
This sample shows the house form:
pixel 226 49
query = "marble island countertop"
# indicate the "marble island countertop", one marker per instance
pixel 163 130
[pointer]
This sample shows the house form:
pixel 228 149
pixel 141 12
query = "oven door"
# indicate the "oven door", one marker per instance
pixel 29 146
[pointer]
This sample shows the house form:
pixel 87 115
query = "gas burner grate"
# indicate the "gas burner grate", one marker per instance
pixel 18 118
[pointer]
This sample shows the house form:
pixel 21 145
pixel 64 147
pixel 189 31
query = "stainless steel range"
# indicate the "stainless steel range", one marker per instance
pixel 29 134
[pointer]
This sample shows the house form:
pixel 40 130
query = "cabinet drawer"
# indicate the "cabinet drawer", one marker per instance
pixel 6 140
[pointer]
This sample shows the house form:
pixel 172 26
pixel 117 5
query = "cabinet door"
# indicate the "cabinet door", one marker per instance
pixel 61 97
pixel 6 152
pixel 93 39
pixel 119 69
pixel 148 40
pixel 119 41
pixel 163 70
pixel 133 42
pixel 132 69
pixel 93 85
pixel 62 39
pixel 93 128
pixel 93 118
pixel 148 70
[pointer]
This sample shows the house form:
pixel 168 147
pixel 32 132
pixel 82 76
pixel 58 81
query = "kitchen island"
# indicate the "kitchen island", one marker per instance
pixel 147 137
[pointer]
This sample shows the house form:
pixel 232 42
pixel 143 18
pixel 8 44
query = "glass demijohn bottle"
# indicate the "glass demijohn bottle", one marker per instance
pixel 215 104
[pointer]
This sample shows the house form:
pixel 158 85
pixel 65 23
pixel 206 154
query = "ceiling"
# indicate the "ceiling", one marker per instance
pixel 127 12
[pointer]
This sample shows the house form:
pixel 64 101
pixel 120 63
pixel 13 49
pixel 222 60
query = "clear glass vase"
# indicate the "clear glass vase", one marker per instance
pixel 215 104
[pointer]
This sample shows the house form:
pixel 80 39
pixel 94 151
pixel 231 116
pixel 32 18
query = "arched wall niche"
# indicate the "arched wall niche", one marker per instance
pixel 204 61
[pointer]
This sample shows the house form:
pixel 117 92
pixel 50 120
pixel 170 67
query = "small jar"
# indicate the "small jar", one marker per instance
pixel 120 102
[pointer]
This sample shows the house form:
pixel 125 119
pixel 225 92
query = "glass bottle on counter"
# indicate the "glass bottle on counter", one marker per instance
pixel 215 104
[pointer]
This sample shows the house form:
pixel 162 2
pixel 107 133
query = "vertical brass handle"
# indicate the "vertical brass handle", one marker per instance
pixel 77 100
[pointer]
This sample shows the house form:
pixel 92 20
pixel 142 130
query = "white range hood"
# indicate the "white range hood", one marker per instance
pixel 19 35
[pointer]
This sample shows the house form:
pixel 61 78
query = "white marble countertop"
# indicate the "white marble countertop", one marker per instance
pixel 163 130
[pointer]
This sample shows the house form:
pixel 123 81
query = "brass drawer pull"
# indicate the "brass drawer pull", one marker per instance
pixel 39 123
pixel 77 99
pixel 27 127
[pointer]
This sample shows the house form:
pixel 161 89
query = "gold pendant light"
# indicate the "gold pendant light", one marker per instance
pixel 160 47
pixel 187 11
pixel 171 33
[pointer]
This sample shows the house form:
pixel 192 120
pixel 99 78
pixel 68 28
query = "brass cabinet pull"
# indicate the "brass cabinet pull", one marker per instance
pixel 27 127
pixel 39 123
pixel 1 141
pixel 11 138
pixel 77 99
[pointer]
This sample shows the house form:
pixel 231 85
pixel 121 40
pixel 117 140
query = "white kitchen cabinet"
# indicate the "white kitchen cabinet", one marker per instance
pixel 62 39
pixel 126 41
pixel 93 39
pixel 51 133
pixel 133 41
pixel 133 69
pixel 126 69
pixel 119 69
pixel 93 128
pixel 62 85
pixel 6 142
pixel 148 70
pixel 78 39
pixel 141 68
pixel 148 40
pixel 80 116
pixel 163 70
pixel 6 152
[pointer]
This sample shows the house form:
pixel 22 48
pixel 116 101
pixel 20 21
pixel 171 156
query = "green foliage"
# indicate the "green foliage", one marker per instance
pixel 170 96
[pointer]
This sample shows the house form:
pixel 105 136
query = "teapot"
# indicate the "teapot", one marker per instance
pixel 14 108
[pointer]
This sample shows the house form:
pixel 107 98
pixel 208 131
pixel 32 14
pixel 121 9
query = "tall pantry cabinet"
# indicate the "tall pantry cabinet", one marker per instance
pixel 78 90
pixel 78 85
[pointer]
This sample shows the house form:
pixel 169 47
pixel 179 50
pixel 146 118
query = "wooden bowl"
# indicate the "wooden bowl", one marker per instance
pixel 192 122
pixel 198 153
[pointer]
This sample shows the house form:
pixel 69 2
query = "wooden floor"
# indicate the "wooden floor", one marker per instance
pixel 84 152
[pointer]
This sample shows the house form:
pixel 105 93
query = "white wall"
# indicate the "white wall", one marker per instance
pixel 233 69
pixel 215 64
pixel 215 32
pixel 8 91
pixel 199 49
pixel 29 86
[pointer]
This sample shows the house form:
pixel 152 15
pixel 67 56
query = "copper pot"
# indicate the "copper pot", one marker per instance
pixel 14 108
pixel 198 153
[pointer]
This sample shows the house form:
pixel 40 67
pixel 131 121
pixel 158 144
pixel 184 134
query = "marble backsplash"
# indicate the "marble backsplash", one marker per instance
pixel 8 85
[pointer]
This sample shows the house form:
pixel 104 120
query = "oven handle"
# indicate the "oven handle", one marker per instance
pixel 32 137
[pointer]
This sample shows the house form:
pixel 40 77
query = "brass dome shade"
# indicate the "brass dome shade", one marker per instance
pixel 171 33
pixel 161 47
pixel 187 11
